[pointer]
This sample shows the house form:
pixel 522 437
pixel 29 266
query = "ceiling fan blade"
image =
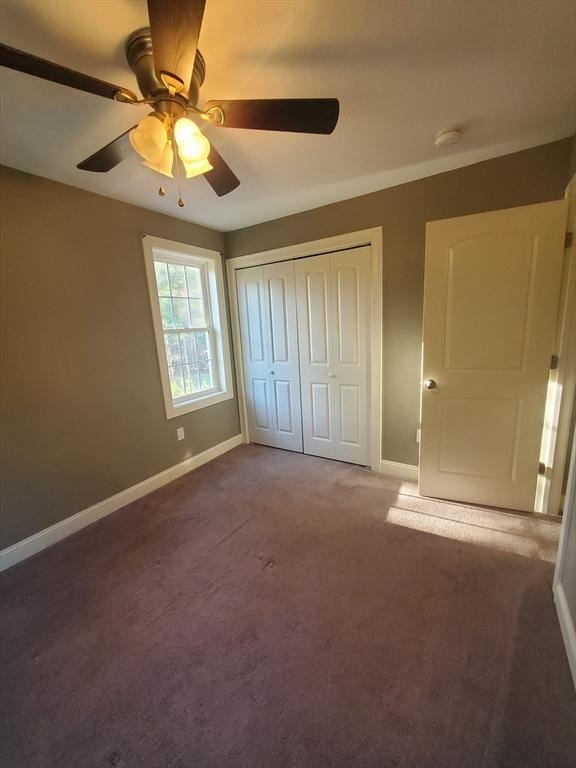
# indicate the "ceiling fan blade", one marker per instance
pixel 221 178
pixel 298 115
pixel 32 65
pixel 175 28
pixel 109 156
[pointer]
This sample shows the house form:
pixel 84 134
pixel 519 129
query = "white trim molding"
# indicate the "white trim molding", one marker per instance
pixel 401 471
pixel 370 237
pixel 562 384
pixel 567 628
pixel 565 572
pixel 210 264
pixel 39 541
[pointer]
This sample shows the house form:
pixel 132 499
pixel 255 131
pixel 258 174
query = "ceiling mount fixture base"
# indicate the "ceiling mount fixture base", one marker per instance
pixel 448 138
pixel 140 57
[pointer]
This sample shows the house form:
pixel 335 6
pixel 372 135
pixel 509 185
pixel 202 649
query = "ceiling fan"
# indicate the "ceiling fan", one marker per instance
pixel 170 71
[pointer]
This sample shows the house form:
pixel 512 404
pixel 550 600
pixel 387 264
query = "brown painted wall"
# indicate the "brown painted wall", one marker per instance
pixel 83 415
pixel 531 176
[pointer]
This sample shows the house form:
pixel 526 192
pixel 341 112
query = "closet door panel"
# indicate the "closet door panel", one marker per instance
pixel 278 318
pixel 313 299
pixel 261 404
pixel 351 354
pixel 321 409
pixel 350 414
pixel 254 331
pixel 333 292
pixel 284 362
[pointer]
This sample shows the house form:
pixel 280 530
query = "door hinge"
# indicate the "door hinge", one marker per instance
pixel 568 240
pixel 554 362
pixel 541 468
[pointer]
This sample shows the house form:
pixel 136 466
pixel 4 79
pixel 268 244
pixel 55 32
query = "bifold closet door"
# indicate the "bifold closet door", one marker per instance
pixel 267 306
pixel 333 300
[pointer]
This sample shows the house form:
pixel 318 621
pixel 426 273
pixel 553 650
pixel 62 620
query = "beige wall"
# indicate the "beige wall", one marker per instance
pixel 526 177
pixel 572 169
pixel 82 410
pixel 83 415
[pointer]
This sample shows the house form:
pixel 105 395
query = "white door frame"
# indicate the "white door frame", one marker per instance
pixel 565 615
pixel 555 449
pixel 370 237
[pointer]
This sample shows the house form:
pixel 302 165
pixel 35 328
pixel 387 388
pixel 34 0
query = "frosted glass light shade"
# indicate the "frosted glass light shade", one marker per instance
pixel 149 139
pixel 197 168
pixel 193 146
pixel 166 162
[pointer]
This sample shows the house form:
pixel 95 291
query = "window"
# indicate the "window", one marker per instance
pixel 189 314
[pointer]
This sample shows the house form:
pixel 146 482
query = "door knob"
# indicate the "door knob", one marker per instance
pixel 271 373
pixel 331 375
pixel 430 384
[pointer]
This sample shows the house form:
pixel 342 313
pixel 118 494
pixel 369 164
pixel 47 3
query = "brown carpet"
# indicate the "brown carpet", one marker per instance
pixel 264 611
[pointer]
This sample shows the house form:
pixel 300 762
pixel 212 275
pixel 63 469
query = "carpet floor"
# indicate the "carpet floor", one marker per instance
pixel 277 610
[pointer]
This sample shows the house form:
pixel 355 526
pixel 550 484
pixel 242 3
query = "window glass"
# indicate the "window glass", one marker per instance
pixel 187 334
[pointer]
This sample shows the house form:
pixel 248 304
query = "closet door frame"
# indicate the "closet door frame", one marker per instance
pixel 369 237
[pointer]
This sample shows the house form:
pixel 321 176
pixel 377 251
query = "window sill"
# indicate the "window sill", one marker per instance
pixel 173 411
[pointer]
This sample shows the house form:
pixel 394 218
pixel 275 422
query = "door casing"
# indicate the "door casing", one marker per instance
pixel 369 237
pixel 562 384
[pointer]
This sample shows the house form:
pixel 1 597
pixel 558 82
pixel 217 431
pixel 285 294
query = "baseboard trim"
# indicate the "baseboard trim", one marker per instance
pixel 39 541
pixel 567 627
pixel 399 470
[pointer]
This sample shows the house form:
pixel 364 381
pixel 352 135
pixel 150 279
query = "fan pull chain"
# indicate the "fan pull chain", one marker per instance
pixel 180 201
pixel 161 190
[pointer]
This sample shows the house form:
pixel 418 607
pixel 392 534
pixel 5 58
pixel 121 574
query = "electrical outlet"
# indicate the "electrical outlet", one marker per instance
pixel 417 435
pixel 180 433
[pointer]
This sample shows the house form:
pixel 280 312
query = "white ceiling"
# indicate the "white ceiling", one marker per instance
pixel 505 72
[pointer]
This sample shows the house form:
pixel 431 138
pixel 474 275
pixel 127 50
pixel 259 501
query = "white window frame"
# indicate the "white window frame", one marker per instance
pixel 210 262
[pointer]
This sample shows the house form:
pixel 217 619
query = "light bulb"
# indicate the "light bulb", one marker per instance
pixel 184 128
pixel 149 139
pixel 193 146
pixel 164 165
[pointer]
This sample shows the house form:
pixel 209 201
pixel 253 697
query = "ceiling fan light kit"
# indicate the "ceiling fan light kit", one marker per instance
pixel 155 136
pixel 149 139
pixel 170 71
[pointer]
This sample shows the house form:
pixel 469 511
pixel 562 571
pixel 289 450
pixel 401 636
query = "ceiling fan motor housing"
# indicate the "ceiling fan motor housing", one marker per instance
pixel 140 56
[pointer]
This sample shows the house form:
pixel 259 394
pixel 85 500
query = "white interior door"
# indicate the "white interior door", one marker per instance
pixel 333 298
pixel 267 307
pixel 491 293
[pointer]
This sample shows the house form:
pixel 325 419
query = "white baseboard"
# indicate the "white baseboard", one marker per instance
pixel 567 627
pixel 39 541
pixel 401 471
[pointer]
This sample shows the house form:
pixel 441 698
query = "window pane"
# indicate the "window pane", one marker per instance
pixel 194 279
pixel 172 349
pixel 166 312
pixel 188 346
pixel 191 379
pixel 176 381
pixel 202 346
pixel 205 375
pixel 181 316
pixel 177 279
pixel 161 269
pixel 197 314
